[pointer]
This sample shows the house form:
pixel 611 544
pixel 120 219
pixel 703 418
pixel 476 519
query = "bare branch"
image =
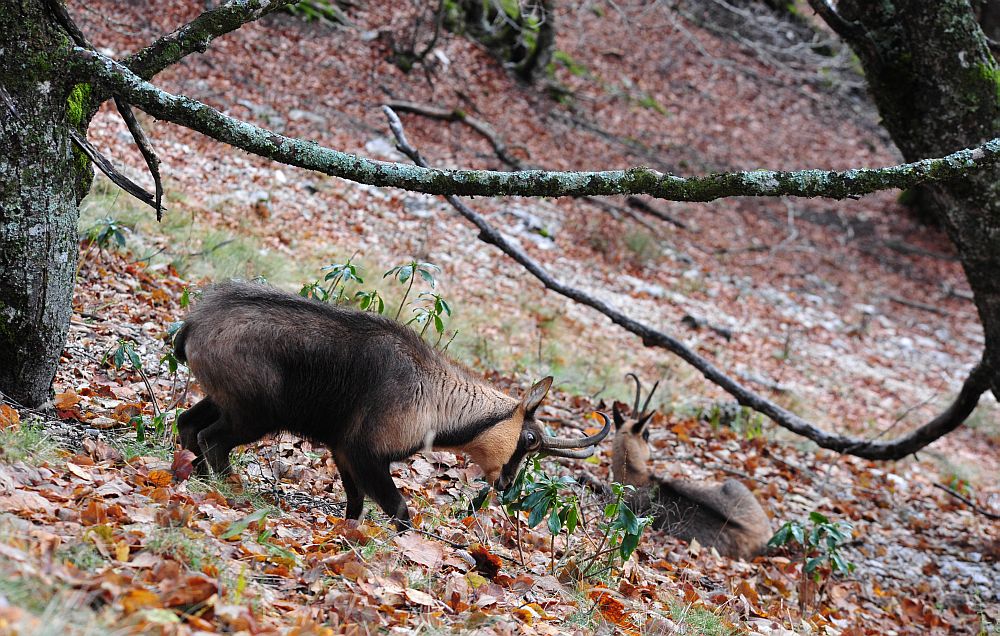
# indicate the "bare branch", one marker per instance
pixel 306 154
pixel 152 161
pixel 117 177
pixel 195 36
pixel 138 134
pixel 458 115
pixel 953 416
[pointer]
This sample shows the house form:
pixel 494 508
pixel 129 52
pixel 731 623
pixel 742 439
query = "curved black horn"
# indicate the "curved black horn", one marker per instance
pixel 638 393
pixel 649 398
pixel 559 443
pixel 582 453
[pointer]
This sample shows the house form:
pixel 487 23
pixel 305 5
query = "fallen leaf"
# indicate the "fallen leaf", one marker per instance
pixel 418 598
pixel 420 550
pixel 183 464
pixel 8 416
pixel 94 514
pixel 139 598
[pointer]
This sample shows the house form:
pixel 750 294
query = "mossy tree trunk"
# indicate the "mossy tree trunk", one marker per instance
pixel 42 179
pixel 937 88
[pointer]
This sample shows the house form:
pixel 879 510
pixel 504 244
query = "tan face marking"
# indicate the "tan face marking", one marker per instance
pixel 492 449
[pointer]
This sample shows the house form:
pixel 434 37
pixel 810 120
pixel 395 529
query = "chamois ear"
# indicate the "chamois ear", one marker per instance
pixel 619 418
pixel 536 394
pixel 641 424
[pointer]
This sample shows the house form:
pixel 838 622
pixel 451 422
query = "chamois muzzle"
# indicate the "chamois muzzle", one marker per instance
pixel 576 448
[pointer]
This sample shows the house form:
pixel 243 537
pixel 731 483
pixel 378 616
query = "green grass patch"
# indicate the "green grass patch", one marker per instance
pixel 701 621
pixel 28 442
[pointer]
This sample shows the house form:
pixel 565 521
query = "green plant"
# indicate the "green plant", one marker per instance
pixel 370 300
pixel 407 273
pixel 821 541
pixel 339 275
pixel 432 310
pixel 124 352
pixel 821 544
pixel 181 544
pixel 107 233
pixel 538 495
pixel 542 497
pixel 621 530
pixel 319 11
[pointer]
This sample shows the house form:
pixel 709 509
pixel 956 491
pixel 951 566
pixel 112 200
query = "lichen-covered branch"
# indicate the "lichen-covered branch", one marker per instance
pixel 974 386
pixel 306 154
pixel 195 36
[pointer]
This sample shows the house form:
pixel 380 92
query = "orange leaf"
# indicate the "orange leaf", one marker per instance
pixel 67 400
pixel 8 416
pixel 139 598
pixel 160 478
pixel 192 590
pixel 486 562
pixel 95 514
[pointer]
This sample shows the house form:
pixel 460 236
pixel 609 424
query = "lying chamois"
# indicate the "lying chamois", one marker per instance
pixel 366 386
pixel 726 517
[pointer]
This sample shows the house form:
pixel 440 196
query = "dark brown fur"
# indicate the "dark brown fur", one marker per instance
pixel 724 516
pixel 367 387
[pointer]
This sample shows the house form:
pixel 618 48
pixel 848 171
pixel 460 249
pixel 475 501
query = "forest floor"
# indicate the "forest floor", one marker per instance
pixel 849 313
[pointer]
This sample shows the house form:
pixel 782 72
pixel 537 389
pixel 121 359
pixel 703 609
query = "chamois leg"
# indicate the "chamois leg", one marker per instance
pixel 220 438
pixel 379 486
pixel 355 497
pixel 193 421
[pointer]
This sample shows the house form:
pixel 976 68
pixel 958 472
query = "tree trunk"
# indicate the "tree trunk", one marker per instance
pixel 937 88
pixel 42 178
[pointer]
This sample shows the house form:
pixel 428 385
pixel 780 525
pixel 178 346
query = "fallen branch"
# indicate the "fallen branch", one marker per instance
pixel 951 418
pixel 957 495
pixel 642 206
pixel 500 149
pixel 458 115
pixel 916 305
pixel 146 149
pixel 92 66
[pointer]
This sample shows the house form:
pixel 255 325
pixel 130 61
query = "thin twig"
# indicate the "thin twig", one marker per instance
pixel 957 495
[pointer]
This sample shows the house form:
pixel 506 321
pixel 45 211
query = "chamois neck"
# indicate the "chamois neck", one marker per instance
pixel 463 402
pixel 630 471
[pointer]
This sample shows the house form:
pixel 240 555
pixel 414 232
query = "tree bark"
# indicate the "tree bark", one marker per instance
pixel 42 179
pixel 937 88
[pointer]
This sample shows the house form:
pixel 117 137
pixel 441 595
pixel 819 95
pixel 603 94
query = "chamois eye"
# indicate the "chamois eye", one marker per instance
pixel 531 441
pixel 645 435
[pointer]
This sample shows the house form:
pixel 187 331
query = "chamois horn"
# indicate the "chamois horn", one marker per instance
pixel 567 447
pixel 636 413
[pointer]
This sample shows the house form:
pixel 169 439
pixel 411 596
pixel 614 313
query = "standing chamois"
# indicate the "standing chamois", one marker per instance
pixel 725 516
pixel 367 387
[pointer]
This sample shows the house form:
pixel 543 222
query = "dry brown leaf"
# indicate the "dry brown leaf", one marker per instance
pixel 417 597
pixel 183 464
pixel 8 416
pixel 94 514
pixel 192 590
pixel 420 550
pixel 139 598
pixel 161 478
